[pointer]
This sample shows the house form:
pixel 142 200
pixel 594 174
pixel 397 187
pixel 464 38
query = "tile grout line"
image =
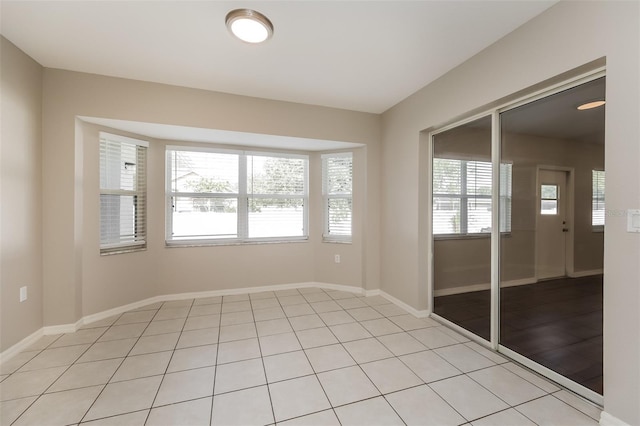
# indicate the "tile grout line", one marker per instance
pixel 125 358
pixel 264 368
pixel 363 372
pixel 288 319
pixel 575 408
pixel 315 373
pixel 424 383
pixel 58 378
pixel 66 369
pixel 121 362
pixel 215 370
pixel 170 358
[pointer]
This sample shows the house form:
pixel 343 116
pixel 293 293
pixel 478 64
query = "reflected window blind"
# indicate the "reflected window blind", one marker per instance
pixel 462 197
pixel 123 193
pixel 597 204
pixel 337 190
pixel 506 184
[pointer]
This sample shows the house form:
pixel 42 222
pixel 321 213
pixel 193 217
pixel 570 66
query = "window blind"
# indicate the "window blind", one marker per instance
pixel 337 190
pixel 462 197
pixel 276 194
pixel 123 192
pixel 597 204
pixel 506 189
pixel 203 195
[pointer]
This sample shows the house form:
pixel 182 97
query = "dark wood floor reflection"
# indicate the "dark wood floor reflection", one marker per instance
pixel 556 323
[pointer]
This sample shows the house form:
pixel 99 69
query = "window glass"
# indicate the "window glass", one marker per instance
pixel 549 199
pixel 223 195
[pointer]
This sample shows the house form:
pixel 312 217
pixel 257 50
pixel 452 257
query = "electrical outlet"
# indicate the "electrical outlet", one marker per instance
pixel 23 293
pixel 336 258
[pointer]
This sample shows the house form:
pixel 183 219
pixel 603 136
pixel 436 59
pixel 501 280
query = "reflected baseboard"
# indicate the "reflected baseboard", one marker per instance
pixel 511 283
pixel 580 274
pixel 481 287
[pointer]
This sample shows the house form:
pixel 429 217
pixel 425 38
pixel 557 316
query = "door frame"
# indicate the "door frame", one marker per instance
pixel 569 214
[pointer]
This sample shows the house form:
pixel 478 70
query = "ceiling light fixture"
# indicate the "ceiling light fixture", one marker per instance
pixel 249 26
pixel 591 105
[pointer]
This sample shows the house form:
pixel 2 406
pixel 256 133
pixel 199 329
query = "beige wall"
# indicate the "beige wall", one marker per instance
pixel 80 282
pixel 109 281
pixel 551 44
pixel 20 191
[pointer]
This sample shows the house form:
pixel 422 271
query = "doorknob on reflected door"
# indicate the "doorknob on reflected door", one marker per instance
pixel 565 229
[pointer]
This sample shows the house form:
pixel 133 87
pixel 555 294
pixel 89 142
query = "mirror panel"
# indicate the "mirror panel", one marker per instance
pixel 552 257
pixel 461 221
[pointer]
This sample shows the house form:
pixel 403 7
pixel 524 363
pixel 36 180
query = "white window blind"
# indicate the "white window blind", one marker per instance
pixel 506 185
pixel 337 190
pixel 462 197
pixel 123 193
pixel 597 204
pixel 203 195
pixel 276 191
pixel 220 195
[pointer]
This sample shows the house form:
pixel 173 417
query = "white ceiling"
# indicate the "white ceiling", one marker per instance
pixel 356 55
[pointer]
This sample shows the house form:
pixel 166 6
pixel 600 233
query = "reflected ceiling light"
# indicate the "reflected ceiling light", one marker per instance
pixel 591 105
pixel 249 26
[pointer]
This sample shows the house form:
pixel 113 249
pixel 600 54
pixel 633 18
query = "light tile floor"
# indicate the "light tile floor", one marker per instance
pixel 294 357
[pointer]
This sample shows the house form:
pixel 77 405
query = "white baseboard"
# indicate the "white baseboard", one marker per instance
pixel 245 290
pixel 88 319
pixel 21 345
pixel 607 419
pixel 482 286
pixel 117 311
pixel 579 274
pixel 370 293
pixel 64 328
pixel 211 293
pixel 413 311
pixel 71 328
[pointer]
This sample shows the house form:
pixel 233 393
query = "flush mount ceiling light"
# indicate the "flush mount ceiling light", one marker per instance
pixel 591 105
pixel 249 26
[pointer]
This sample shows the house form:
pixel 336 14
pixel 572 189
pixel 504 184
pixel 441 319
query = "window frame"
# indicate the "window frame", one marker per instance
pixel 327 197
pixel 242 195
pixel 140 195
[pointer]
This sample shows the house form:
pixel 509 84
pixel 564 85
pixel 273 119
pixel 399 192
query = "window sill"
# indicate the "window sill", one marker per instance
pixel 331 241
pixel 598 229
pixel 210 243
pixel 468 236
pixel 123 250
